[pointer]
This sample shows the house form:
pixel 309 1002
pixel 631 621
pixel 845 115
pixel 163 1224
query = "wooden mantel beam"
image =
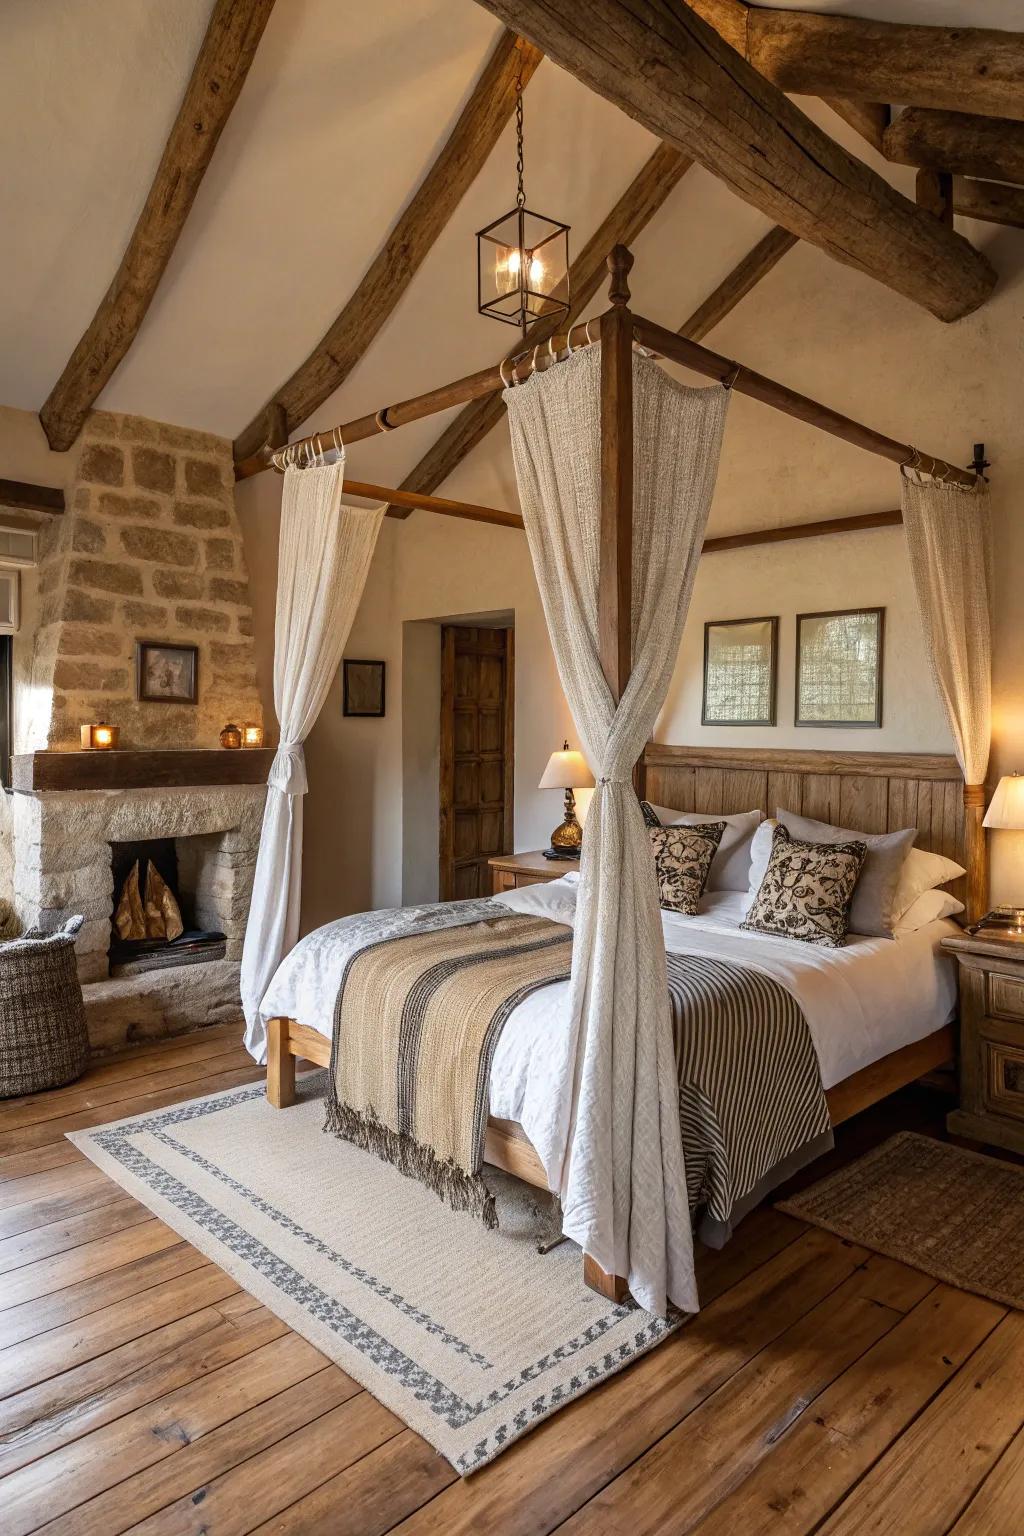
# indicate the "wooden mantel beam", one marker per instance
pixel 963 69
pixel 666 67
pixel 479 126
pixel 218 75
pixel 643 197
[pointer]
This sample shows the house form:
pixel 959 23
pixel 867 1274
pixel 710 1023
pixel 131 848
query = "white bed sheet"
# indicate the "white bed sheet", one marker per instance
pixel 861 1001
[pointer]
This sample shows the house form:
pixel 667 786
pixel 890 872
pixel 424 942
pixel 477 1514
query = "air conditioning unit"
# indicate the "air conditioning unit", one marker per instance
pixel 10 601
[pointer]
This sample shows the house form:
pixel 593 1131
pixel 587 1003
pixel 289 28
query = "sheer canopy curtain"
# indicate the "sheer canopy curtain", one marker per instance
pixel 949 535
pixel 323 561
pixel 623 1184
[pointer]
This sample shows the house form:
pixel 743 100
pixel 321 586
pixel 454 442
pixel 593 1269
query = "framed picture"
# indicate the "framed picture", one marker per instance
pixel 740 671
pixel 839 667
pixel 166 674
pixel 363 688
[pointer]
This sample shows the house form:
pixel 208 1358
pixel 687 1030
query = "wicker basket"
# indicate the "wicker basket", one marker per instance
pixel 43 1036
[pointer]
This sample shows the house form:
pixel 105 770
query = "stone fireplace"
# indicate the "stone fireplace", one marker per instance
pixel 149 548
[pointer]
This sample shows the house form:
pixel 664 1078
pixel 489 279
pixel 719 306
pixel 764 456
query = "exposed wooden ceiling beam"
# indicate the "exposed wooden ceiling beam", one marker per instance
pixel 666 67
pixel 859 522
pixel 470 142
pixel 988 200
pixel 965 69
pixel 218 75
pixel 744 276
pixel 869 118
pixel 637 205
pixel 958 142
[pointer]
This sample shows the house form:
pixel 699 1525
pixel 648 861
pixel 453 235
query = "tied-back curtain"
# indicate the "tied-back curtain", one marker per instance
pixel 949 537
pixel 623 1183
pixel 324 556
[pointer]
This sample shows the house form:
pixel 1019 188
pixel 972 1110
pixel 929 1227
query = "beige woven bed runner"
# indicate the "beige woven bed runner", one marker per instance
pixel 416 1024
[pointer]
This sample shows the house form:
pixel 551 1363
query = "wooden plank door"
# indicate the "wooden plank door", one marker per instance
pixel 477 756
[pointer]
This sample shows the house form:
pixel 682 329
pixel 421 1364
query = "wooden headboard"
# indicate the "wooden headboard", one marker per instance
pixel 866 791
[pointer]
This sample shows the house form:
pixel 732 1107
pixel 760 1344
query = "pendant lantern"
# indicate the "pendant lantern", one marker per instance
pixel 522 258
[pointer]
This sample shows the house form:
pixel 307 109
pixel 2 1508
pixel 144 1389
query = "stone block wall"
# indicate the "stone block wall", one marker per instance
pixel 149 548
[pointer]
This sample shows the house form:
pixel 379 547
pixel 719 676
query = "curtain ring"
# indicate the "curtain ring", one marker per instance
pixel 587 334
pixel 568 340
pixel 551 350
pixel 381 418
pixel 737 369
pixel 501 374
pixel 533 360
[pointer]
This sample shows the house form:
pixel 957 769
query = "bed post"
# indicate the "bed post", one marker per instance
pixel 975 851
pixel 280 1065
pixel 615 585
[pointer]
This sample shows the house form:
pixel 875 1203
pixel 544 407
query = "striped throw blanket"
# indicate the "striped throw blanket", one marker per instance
pixel 415 1027
pixel 417 1020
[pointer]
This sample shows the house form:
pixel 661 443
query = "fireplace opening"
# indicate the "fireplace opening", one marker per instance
pixel 153 923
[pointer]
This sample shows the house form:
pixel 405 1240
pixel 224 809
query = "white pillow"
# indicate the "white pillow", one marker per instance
pixel 928 908
pixel 922 872
pixel 730 868
pixel 760 853
pixel 871 910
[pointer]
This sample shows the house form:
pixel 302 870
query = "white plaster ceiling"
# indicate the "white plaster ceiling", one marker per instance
pixel 343 111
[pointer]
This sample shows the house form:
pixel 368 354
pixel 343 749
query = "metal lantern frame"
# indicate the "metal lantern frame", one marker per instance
pixel 512 306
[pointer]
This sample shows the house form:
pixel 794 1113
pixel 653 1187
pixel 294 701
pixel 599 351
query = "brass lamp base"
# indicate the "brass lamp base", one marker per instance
pixel 568 835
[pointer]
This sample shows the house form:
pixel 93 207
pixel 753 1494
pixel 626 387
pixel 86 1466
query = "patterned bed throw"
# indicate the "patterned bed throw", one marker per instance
pixel 751 1104
pixel 416 1023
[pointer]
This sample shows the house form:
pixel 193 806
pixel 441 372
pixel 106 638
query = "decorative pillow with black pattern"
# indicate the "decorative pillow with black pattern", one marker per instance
pixel 651 817
pixel 682 862
pixel 807 890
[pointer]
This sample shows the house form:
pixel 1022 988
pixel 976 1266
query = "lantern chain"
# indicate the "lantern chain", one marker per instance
pixel 520 194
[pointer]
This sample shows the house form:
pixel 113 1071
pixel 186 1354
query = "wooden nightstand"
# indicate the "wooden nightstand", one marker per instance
pixel 511 870
pixel 991 1040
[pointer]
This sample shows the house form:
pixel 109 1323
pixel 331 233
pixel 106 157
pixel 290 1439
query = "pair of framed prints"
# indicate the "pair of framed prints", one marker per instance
pixel 839 657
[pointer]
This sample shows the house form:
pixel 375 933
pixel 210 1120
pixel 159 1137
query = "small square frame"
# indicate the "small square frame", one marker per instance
pixel 773 639
pixel 145 651
pixel 359 678
pixel 875 722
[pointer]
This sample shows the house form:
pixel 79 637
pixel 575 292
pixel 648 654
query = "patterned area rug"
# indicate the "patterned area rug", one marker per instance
pixel 470 1336
pixel 957 1215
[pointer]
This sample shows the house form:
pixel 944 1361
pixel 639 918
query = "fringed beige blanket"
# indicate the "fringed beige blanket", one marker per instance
pixel 416 1023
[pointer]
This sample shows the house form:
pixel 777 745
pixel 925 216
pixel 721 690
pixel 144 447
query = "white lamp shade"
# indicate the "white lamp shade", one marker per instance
pixel 566 770
pixel 1006 811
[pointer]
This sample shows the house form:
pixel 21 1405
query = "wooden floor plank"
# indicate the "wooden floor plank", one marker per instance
pixel 679 1480
pixel 188 1472
pixel 39 1314
pixel 826 1453
pixel 43 1418
pixel 66 1347
pixel 89 1094
pixel 368 1498
pixel 923 1483
pixel 229 1505
pixel 997 1509
pixel 197 1042
pixel 43 1242
pixel 20 1165
pixel 542 1479
pixel 69 1196
pixel 34 1281
pixel 60 1482
pixel 31 1137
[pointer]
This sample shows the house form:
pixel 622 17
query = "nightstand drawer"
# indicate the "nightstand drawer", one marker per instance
pixel 1005 996
pixel 1004 1077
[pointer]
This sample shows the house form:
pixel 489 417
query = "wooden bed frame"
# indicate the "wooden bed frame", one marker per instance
pixel 864 791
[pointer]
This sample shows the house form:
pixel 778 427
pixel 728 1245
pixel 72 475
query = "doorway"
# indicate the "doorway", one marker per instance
pixel 477 756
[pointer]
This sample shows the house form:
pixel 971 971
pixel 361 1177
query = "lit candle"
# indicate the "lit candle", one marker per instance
pixel 100 737
pixel 252 734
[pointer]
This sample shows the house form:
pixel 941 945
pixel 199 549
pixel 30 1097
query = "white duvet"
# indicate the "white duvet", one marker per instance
pixel 860 1002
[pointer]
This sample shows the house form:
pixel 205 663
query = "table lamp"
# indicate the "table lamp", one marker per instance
pixel 566 770
pixel 1006 814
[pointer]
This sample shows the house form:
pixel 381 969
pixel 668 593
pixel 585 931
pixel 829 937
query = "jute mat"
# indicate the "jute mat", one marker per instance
pixel 955 1214
pixel 470 1336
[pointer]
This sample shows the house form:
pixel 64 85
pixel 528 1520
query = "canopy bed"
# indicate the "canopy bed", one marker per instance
pixel 615 553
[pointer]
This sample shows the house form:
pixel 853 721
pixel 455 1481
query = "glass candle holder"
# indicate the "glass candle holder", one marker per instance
pixel 252 734
pixel 231 736
pixel 100 737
